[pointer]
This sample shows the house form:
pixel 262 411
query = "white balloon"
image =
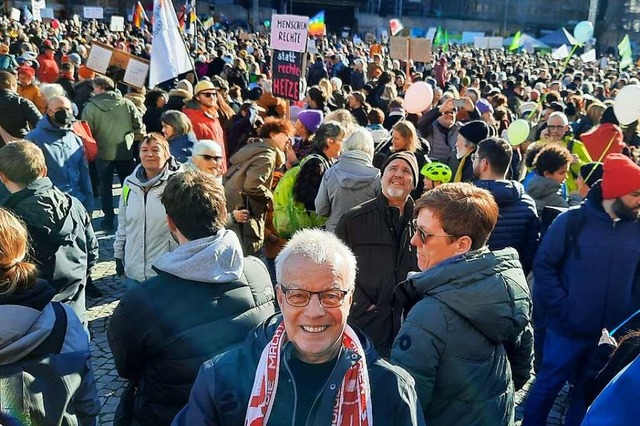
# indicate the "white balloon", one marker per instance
pixel 418 97
pixel 627 104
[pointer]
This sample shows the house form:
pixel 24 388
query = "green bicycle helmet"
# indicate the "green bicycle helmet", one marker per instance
pixel 437 172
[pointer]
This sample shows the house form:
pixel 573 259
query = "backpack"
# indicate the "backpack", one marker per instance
pixel 290 215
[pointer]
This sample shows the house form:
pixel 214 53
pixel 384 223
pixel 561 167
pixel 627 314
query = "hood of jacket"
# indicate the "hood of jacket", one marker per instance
pixel 486 288
pixel 26 319
pixel 139 176
pixel 540 187
pixel 41 203
pixel 107 101
pixel 214 259
pixel 504 191
pixel 354 170
pixel 255 148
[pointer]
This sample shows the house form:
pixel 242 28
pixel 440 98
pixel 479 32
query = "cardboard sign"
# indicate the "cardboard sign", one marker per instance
pixel 399 48
pixel 136 72
pixel 405 48
pixel 117 23
pixel 246 36
pixel 93 12
pixel 288 71
pixel 120 59
pixel 99 58
pixel 289 32
pixel 15 14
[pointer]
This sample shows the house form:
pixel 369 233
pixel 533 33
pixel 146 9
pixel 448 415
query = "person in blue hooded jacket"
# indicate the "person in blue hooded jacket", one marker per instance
pixel 586 274
pixel 518 225
pixel 67 166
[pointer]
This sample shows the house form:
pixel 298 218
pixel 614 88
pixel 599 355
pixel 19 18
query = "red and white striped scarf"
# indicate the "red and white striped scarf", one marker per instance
pixel 352 406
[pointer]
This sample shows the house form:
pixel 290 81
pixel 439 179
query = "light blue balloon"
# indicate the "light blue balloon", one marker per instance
pixel 583 31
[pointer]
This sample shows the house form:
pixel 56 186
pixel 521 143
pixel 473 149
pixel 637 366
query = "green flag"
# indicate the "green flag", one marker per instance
pixel 437 40
pixel 624 50
pixel 515 43
pixel 445 44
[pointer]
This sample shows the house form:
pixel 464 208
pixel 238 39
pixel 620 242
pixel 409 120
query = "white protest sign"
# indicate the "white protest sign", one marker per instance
pixel 311 47
pixel 117 23
pixel 561 52
pixel 15 14
pixel 46 13
pixel 589 56
pixel 99 59
pixel 93 12
pixel 431 33
pixel 495 42
pixel 136 73
pixel 289 32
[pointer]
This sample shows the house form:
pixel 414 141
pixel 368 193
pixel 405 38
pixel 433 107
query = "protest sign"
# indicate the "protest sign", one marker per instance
pixel 93 12
pixel 136 72
pixel 117 23
pixel 289 32
pixel 405 48
pixel 99 58
pixel 46 13
pixel 15 14
pixel 288 70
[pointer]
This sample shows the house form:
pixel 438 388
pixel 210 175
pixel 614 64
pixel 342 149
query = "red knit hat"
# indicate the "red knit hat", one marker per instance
pixel 621 176
pixel 24 69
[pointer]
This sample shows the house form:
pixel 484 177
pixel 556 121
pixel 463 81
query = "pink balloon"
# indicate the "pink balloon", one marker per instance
pixel 55 24
pixel 418 97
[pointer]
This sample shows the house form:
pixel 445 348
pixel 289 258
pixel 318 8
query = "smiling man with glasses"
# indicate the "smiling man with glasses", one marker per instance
pixel 307 365
pixel 467 341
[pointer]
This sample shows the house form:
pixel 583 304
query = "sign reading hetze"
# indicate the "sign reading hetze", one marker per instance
pixel 289 32
pixel 288 70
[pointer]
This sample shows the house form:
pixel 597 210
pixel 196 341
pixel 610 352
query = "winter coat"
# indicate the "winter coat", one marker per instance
pixel 83 92
pixel 8 62
pixel 45 360
pixel 143 234
pixel 545 192
pixel 360 115
pixel 453 342
pixel 518 225
pixel 248 184
pixel 602 137
pixel 317 72
pixel 114 122
pixel 206 126
pixel 159 344
pixel 617 405
pixel 351 181
pixel 443 142
pixel 593 282
pixel 358 80
pixel 379 134
pixel 181 147
pixel 64 245
pixel 380 239
pixel 67 166
pixel 32 92
pixel 48 70
pixel 230 377
pixel 17 114
pixel 579 150
pixel 151 119
pixel 305 190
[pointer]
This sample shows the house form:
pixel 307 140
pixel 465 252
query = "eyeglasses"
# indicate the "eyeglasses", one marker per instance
pixel 555 127
pixel 473 156
pixel 424 235
pixel 209 94
pixel 210 157
pixel 301 298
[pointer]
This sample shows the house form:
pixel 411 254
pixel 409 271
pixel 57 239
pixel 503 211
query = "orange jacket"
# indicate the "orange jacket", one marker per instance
pixel 32 92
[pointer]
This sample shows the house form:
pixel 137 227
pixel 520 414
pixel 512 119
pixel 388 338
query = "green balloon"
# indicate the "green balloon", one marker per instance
pixel 518 132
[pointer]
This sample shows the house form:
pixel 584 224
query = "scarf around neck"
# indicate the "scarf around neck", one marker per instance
pixel 353 401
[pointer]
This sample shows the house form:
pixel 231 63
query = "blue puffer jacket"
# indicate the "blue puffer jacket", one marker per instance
pixel 518 225
pixel 67 166
pixel 181 147
pixel 595 281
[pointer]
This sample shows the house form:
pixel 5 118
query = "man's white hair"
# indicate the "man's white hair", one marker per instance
pixel 562 115
pixel 360 140
pixel 322 248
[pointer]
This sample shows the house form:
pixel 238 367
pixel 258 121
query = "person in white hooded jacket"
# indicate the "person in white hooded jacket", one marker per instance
pixel 351 181
pixel 204 300
pixel 143 235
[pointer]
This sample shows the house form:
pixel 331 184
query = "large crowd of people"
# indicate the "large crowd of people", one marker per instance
pixel 333 260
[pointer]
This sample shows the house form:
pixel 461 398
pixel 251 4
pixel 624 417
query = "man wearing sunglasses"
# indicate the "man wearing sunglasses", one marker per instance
pixel 202 110
pixel 306 366
pixel 469 331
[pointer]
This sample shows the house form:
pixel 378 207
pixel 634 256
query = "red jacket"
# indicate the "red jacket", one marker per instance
pixel 206 126
pixel 599 138
pixel 48 71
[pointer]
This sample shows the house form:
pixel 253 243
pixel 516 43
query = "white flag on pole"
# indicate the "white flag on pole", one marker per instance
pixel 589 56
pixel 169 56
pixel 561 52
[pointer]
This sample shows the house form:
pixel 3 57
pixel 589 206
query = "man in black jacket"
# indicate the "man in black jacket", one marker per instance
pixel 379 233
pixel 518 225
pixel 204 300
pixel 64 245
pixel 17 114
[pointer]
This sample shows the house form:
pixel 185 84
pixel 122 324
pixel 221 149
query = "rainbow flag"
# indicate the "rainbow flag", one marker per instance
pixel 139 16
pixel 316 25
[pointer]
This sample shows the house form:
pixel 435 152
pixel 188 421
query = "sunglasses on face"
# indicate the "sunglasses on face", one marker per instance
pixel 209 94
pixel 207 157
pixel 424 235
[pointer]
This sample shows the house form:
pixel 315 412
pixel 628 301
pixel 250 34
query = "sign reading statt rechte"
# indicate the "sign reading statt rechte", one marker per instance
pixel 288 69
pixel 289 32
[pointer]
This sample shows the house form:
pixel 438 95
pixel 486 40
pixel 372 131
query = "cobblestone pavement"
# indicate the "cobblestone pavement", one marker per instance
pixel 110 386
